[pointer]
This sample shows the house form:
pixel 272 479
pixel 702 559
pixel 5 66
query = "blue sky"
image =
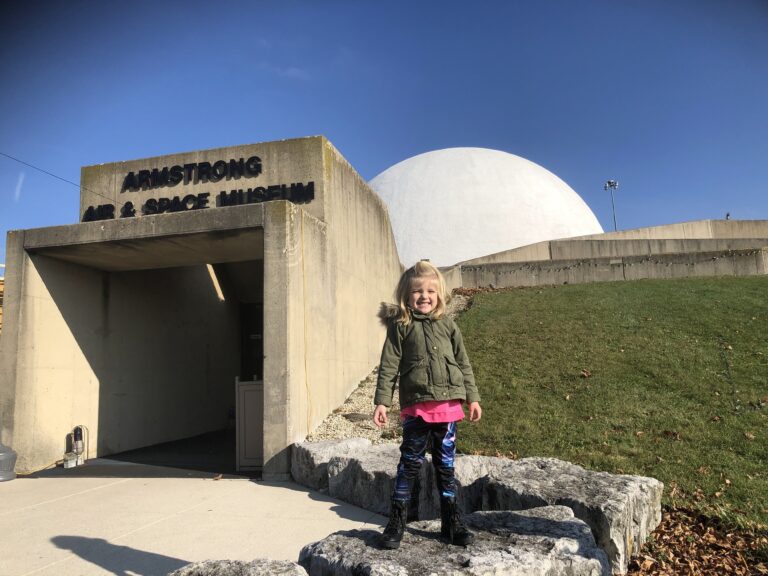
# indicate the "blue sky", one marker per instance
pixel 667 97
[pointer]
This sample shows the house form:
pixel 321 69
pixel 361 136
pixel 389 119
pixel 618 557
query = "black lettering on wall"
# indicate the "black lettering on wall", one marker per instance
pixel 130 182
pixel 301 194
pixel 189 169
pixel 163 205
pixel 218 170
pixel 233 169
pixel 100 212
pixel 253 166
pixel 176 175
pixel 203 171
pixel 127 211
pixel 236 169
pixel 145 180
pixel 159 177
pixel 150 207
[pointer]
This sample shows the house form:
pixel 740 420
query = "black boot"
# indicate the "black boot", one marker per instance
pixel 413 505
pixel 452 528
pixel 393 533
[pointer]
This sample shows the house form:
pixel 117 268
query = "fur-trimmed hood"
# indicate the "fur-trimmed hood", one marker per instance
pixel 388 313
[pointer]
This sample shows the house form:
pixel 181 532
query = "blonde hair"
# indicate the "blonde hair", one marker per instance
pixel 421 270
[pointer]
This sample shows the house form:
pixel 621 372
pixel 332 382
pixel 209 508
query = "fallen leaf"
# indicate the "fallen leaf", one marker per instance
pixel 715 418
pixel 639 433
pixel 749 436
pixel 218 476
pixel 585 373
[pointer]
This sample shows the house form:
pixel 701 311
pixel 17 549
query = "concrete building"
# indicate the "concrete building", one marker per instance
pixel 238 281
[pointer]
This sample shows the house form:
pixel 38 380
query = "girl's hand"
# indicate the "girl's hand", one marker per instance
pixel 475 412
pixel 380 416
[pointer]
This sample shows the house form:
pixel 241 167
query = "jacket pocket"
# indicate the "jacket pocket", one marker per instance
pixel 455 375
pixel 413 377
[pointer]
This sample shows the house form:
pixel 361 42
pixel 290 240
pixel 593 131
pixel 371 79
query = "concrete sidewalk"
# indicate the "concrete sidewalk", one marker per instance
pixel 113 517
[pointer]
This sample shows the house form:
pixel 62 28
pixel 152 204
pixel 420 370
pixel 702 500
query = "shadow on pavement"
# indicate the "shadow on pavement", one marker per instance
pixel 119 560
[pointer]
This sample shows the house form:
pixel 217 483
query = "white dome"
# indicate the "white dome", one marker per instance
pixel 460 203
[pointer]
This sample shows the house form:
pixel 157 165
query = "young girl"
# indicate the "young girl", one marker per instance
pixel 426 350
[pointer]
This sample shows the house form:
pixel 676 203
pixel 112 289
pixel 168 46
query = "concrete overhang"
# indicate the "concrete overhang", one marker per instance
pixel 208 236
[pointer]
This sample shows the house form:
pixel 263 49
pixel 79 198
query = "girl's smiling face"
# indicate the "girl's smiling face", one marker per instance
pixel 423 296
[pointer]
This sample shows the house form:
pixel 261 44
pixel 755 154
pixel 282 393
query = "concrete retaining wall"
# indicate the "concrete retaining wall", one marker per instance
pixel 728 263
pixel 642 244
pixel 693 229
pixel 702 248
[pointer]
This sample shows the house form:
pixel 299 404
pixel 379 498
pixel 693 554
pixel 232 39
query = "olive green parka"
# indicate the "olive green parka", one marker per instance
pixel 429 357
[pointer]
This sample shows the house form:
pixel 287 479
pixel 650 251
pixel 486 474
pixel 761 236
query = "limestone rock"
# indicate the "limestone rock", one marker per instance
pixel 309 460
pixel 621 510
pixel 539 542
pixel 366 478
pixel 258 567
pixel 471 474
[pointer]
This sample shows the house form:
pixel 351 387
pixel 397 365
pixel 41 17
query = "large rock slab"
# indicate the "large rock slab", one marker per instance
pixel 539 542
pixel 258 567
pixel 621 510
pixel 366 478
pixel 309 460
pixel 471 473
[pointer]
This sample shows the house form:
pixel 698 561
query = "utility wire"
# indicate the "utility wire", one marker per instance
pixel 60 178
pixel 40 169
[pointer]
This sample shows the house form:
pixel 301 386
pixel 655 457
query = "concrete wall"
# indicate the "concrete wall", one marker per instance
pixel 138 357
pixel 693 229
pixel 701 236
pixel 725 263
pixel 283 162
pixel 324 280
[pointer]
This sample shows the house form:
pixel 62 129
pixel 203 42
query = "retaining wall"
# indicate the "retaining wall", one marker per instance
pixel 723 263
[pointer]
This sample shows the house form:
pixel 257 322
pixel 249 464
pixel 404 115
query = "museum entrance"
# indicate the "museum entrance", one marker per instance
pixel 171 329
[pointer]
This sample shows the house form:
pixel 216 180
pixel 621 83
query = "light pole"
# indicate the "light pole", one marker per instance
pixel 612 185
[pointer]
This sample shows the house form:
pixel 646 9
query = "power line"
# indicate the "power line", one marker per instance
pixel 40 169
pixel 60 178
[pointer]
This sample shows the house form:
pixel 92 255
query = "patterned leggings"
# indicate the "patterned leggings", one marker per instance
pixel 417 436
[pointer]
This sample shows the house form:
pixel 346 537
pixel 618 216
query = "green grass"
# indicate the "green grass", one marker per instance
pixel 677 389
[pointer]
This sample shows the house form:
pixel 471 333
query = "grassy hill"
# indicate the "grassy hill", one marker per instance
pixel 660 378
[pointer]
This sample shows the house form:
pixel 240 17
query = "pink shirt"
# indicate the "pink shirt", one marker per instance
pixel 435 411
